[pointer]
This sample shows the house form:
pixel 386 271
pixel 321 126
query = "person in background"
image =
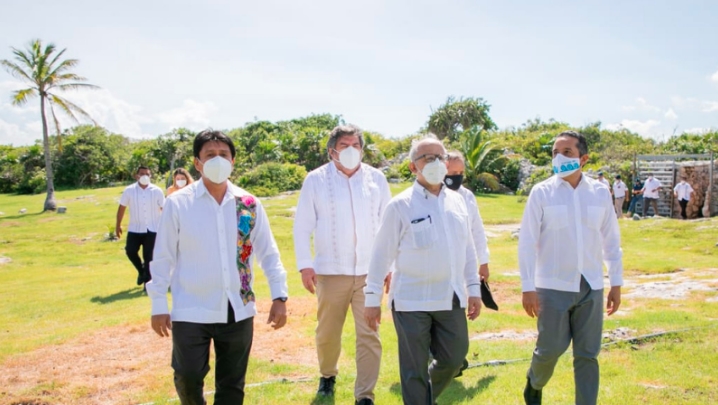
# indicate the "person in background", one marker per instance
pixel 341 204
pixel 637 196
pixel 682 191
pixel 651 194
pixel 180 179
pixel 145 201
pixel 603 180
pixel 426 234
pixel 620 191
pixel 568 232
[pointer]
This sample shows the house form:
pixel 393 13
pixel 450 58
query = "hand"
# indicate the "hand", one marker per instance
pixel 118 232
pixel 309 279
pixel 531 303
pixel 277 314
pixel 162 324
pixel 387 283
pixel 613 301
pixel 484 272
pixel 474 308
pixel 372 316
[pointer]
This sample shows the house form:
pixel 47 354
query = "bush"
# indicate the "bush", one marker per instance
pixel 509 174
pixel 273 178
pixel 539 175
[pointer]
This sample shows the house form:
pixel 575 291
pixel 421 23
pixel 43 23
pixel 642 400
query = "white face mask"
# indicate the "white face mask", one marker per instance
pixel 217 169
pixel 144 180
pixel 181 183
pixel 434 172
pixel 350 158
pixel 565 166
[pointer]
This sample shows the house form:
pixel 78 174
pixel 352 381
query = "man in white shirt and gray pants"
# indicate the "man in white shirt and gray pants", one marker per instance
pixel 210 233
pixel 341 203
pixel 435 286
pixel 567 233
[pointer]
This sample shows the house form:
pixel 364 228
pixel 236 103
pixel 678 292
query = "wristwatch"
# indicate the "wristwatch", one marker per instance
pixel 283 299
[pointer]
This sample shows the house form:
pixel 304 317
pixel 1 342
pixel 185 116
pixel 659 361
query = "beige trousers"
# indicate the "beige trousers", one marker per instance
pixel 334 295
pixel 618 206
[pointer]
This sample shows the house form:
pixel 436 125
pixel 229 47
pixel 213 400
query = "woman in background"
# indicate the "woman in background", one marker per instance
pixel 180 179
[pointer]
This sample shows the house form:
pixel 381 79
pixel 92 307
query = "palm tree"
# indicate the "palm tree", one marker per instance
pixel 481 157
pixel 42 68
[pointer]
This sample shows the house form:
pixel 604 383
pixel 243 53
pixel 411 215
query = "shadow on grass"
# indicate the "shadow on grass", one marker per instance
pixel 128 294
pixel 456 391
pixel 18 216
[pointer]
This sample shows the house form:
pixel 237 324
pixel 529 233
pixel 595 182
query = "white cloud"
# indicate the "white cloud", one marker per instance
pixel 714 78
pixel 691 103
pixel 192 114
pixel 11 134
pixel 671 115
pixel 641 105
pixel 697 130
pixel 709 106
pixel 640 127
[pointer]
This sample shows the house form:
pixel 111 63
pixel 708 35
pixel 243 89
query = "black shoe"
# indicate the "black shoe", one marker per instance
pixel 531 396
pixel 464 366
pixel 326 386
pixel 140 279
pixel 364 401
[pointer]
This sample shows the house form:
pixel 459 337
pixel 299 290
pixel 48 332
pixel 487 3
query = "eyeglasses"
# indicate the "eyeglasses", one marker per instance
pixel 431 157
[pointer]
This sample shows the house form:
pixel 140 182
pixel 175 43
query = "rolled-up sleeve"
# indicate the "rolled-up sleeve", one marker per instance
pixel 164 259
pixel 384 252
pixel 267 254
pixel 305 221
pixel 528 241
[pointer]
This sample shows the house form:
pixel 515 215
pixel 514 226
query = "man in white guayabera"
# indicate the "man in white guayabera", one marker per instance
pixel 435 286
pixel 569 230
pixel 145 201
pixel 341 203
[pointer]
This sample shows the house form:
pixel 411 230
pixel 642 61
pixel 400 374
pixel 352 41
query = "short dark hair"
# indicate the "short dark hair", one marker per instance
pixel 142 167
pixel 344 130
pixel 582 144
pixel 209 135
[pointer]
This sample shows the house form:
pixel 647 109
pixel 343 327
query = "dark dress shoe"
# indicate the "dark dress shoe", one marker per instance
pixel 531 396
pixel 364 401
pixel 326 386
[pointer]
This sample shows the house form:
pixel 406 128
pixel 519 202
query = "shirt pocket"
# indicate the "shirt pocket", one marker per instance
pixel 595 216
pixel 556 216
pixel 423 234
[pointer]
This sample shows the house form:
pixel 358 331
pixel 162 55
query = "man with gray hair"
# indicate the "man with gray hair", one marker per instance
pixel 341 204
pixel 425 233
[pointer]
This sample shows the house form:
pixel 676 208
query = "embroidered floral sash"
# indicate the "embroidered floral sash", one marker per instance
pixel 246 217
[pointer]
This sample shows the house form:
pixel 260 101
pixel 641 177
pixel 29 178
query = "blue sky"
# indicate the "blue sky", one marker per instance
pixel 650 66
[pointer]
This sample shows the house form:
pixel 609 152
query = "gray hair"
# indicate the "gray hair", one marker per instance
pixel 344 130
pixel 428 138
pixel 456 155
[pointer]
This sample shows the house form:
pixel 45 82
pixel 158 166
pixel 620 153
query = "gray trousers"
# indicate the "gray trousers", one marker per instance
pixel 445 335
pixel 565 316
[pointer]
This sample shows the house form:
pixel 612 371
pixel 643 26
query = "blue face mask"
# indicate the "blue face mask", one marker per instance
pixel 565 166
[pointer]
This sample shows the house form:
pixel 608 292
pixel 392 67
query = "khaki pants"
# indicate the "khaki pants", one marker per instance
pixel 618 205
pixel 334 295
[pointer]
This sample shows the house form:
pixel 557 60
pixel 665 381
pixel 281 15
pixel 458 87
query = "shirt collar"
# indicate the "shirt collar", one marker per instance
pixel 202 190
pixel 559 182
pixel 335 170
pixel 420 190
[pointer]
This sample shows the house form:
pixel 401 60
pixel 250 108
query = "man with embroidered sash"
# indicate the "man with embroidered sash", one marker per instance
pixel 341 203
pixel 209 235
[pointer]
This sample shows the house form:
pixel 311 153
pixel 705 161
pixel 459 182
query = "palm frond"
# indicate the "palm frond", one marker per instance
pixel 20 97
pixel 55 59
pixel 63 66
pixel 16 70
pixel 22 57
pixel 74 86
pixel 70 108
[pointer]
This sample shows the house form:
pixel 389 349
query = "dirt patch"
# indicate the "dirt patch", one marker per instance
pixel 5 260
pixel 506 335
pixel 114 365
pixel 675 285
pixel 494 231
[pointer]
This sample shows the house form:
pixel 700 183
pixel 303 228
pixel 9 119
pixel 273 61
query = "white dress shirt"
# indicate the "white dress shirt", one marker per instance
pixel 619 189
pixel 477 225
pixel 145 207
pixel 566 233
pixel 683 191
pixel 344 214
pixel 196 254
pixel 604 182
pixel 428 238
pixel 648 187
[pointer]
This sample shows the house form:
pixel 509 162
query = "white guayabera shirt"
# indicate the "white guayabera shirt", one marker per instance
pixel 428 238
pixel 683 190
pixel 145 207
pixel 477 225
pixel 343 213
pixel 567 233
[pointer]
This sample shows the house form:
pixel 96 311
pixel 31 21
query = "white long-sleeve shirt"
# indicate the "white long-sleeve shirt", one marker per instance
pixel 649 186
pixel 344 214
pixel 145 207
pixel 683 191
pixel 477 225
pixel 196 254
pixel 566 233
pixel 619 189
pixel 428 238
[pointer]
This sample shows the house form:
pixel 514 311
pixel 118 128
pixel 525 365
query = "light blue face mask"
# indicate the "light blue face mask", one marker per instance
pixel 565 166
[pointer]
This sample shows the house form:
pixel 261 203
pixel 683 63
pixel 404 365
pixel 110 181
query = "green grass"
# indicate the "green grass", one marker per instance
pixel 66 281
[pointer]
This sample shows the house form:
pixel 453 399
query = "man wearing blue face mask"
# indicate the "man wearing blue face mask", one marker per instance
pixel 341 204
pixel 425 233
pixel 568 232
pixel 209 236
